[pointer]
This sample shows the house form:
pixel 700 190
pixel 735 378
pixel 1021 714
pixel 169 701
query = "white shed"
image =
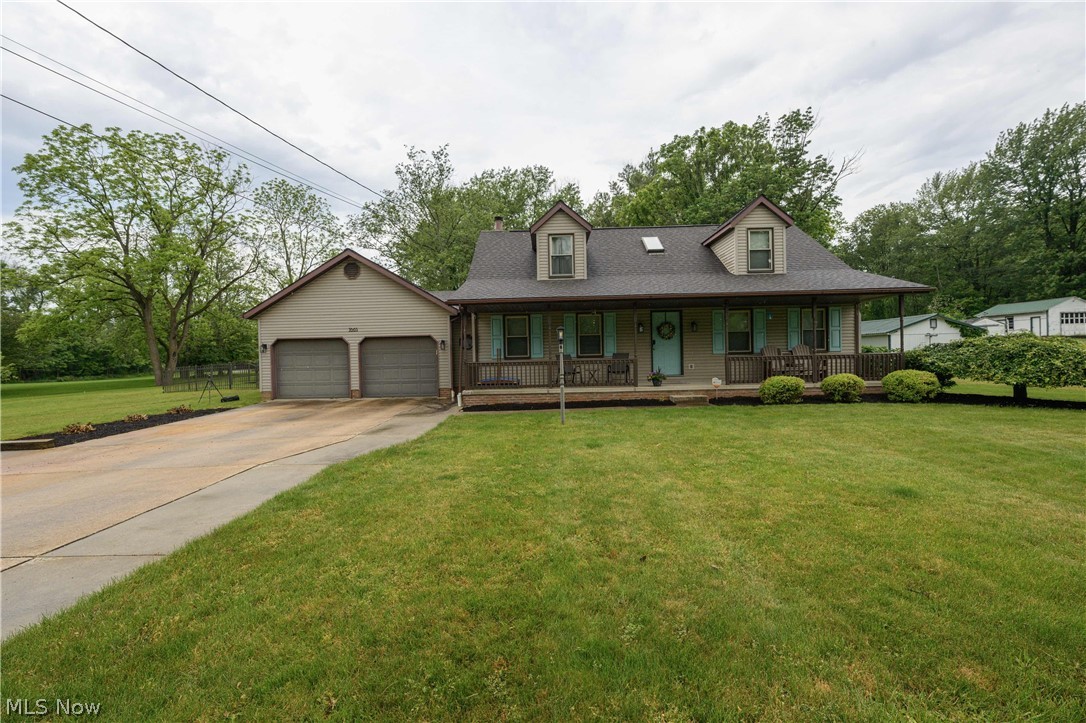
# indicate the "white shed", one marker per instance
pixel 1065 316
pixel 920 330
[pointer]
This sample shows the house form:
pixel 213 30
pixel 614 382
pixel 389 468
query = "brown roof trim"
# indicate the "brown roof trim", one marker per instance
pixel 564 208
pixel 734 220
pixel 801 292
pixel 332 263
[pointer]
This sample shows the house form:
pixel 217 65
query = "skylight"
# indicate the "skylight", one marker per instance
pixel 652 244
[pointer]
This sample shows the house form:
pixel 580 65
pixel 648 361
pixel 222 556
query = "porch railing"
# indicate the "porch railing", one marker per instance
pixel 754 369
pixel 511 374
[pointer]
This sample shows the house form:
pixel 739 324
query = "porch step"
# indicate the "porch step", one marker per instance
pixel 689 400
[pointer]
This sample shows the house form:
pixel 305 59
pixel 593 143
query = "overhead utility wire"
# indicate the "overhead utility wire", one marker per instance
pixel 222 102
pixel 302 179
pixel 241 153
pixel 127 147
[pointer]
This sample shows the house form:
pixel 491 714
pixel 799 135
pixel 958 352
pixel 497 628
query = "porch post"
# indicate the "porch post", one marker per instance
pixel 725 342
pixel 814 336
pixel 856 318
pixel 901 331
pixel 637 379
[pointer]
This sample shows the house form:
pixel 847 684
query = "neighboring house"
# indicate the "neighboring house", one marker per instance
pixel 920 330
pixel 1065 316
pixel 724 302
pixel 733 303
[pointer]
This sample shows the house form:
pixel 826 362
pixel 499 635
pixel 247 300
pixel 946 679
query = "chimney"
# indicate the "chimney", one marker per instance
pixel 498 223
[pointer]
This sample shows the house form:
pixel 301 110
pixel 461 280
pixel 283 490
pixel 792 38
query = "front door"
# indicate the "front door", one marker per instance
pixel 667 342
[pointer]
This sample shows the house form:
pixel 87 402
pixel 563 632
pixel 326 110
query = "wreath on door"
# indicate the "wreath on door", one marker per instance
pixel 666 330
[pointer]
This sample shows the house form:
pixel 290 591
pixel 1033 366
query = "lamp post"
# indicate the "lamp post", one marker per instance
pixel 562 373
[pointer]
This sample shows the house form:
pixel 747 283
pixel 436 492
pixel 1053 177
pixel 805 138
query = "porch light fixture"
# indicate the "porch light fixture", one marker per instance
pixel 263 348
pixel 693 326
pixel 468 342
pixel 441 345
pixel 640 328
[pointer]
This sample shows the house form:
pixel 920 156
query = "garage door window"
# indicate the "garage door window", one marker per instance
pixel 516 337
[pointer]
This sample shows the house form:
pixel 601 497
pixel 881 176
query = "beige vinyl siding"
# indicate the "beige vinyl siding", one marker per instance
pixel 561 223
pixel 327 307
pixel 760 217
pixel 724 248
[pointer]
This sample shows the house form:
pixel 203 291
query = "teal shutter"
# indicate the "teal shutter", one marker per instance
pixel 537 336
pixel 609 333
pixel 570 322
pixel 718 331
pixel 497 337
pixel 759 330
pixel 793 327
pixel 835 328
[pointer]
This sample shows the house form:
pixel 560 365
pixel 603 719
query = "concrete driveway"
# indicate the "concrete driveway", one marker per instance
pixel 76 517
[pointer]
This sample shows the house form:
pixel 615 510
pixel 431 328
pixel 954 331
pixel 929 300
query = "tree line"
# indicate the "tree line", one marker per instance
pixel 140 250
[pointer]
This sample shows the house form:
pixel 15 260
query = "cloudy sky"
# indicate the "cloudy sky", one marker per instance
pixel 583 89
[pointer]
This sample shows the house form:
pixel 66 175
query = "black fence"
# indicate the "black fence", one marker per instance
pixel 237 375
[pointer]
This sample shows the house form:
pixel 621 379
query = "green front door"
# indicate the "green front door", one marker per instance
pixel 667 353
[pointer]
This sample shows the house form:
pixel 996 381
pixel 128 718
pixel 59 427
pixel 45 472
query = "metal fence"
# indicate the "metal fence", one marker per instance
pixel 236 375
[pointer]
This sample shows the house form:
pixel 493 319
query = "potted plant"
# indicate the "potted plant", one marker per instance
pixel 657 378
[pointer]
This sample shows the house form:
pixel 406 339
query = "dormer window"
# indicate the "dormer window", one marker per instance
pixel 760 249
pixel 561 255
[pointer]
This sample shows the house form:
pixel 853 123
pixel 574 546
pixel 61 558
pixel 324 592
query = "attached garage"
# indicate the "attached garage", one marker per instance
pixel 312 369
pixel 399 367
pixel 352 328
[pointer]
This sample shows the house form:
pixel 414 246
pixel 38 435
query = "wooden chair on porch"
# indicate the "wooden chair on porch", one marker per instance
pixel 774 364
pixel 619 366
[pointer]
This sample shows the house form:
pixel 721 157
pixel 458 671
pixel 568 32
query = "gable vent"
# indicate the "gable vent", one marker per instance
pixel 351 269
pixel 652 244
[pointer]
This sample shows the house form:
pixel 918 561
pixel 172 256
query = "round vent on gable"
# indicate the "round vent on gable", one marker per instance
pixel 350 270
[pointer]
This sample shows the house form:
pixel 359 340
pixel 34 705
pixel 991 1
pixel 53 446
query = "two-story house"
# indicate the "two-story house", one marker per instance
pixel 714 306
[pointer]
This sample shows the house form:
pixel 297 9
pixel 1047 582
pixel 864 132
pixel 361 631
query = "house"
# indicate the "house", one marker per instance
pixel 732 303
pixel 920 330
pixel 1065 316
pixel 710 305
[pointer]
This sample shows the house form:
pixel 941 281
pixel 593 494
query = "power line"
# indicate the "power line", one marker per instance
pixel 221 102
pixel 241 153
pixel 248 155
pixel 100 137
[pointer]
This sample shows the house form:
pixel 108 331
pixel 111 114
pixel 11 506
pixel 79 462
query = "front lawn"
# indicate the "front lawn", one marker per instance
pixel 42 407
pixel 863 562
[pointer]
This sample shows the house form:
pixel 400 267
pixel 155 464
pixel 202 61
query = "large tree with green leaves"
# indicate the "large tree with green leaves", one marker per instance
pixel 296 228
pixel 427 226
pixel 708 175
pixel 144 224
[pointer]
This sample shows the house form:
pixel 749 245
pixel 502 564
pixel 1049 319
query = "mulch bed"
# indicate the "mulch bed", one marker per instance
pixel 108 429
pixel 754 401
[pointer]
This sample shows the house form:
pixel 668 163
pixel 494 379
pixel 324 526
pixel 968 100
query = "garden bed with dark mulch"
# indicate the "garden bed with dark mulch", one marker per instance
pixel 108 429
pixel 989 400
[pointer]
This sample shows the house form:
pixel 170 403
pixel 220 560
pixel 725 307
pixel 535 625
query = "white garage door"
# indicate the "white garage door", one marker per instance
pixel 399 367
pixel 312 369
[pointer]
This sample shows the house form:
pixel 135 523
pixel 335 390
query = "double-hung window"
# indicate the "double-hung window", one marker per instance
pixel 814 335
pixel 739 332
pixel 1010 323
pixel 760 249
pixel 589 335
pixel 561 255
pixel 516 337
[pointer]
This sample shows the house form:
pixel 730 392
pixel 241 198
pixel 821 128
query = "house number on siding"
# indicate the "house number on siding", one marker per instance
pixel 352 328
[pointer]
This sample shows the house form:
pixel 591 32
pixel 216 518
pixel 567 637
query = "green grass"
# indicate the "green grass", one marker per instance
pixel 967 386
pixel 864 562
pixel 42 407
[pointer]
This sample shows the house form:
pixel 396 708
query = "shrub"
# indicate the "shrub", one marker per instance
pixel 910 385
pixel 870 349
pixel 136 418
pixel 77 428
pixel 843 387
pixel 936 358
pixel 781 390
pixel 182 409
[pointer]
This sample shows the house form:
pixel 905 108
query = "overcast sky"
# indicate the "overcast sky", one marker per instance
pixel 582 89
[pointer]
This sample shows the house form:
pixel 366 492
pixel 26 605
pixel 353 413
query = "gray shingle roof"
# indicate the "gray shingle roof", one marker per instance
pixel 504 268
